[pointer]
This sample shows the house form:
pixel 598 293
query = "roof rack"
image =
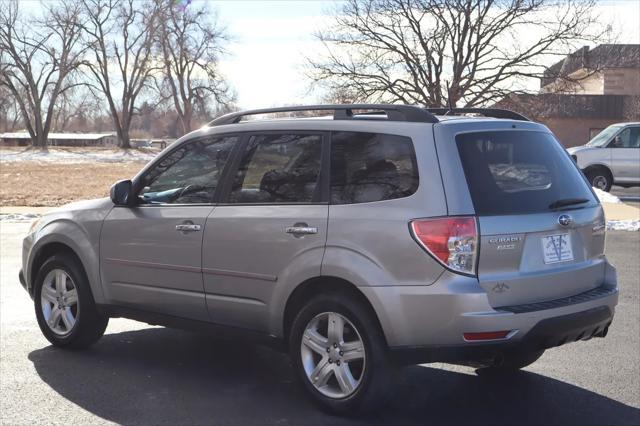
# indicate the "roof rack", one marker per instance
pixel 407 113
pixel 487 112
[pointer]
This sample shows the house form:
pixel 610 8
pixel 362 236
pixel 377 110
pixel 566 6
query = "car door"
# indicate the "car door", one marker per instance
pixel 625 155
pixel 269 231
pixel 150 254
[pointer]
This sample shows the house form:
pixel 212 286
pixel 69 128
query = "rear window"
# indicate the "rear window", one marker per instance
pixel 512 172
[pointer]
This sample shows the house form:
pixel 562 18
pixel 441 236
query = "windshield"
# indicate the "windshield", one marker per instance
pixel 603 137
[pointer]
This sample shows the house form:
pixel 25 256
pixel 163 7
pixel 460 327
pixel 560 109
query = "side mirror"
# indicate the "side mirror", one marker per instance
pixel 121 193
pixel 617 141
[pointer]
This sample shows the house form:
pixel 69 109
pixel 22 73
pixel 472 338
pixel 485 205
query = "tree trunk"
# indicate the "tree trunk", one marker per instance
pixel 185 121
pixel 125 142
pixel 123 137
pixel 40 141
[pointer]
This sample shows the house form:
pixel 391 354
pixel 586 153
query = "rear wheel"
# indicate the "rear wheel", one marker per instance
pixel 339 355
pixel 65 309
pixel 600 178
pixel 512 362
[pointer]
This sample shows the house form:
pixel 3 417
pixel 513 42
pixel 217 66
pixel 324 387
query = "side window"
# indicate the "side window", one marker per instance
pixel 628 138
pixel 367 167
pixel 278 168
pixel 188 175
pixel 634 137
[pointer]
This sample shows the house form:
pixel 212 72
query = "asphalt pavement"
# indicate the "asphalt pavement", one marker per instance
pixel 138 374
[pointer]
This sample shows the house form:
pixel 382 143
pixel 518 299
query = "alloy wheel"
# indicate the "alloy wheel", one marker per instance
pixel 59 301
pixel 333 355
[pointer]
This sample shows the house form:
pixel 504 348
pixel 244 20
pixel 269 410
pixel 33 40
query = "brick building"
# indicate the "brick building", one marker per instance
pixel 585 92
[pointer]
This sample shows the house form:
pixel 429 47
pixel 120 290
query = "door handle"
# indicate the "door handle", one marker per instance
pixel 188 227
pixel 301 229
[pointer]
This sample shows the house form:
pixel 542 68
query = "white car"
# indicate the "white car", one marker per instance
pixel 611 157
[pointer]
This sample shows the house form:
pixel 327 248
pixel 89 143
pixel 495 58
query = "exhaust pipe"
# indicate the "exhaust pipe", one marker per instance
pixel 604 331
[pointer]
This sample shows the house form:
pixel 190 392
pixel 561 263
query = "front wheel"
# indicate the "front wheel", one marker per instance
pixel 339 355
pixel 600 178
pixel 65 309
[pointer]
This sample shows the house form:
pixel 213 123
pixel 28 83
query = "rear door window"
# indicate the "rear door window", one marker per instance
pixel 513 172
pixel 368 167
pixel 278 168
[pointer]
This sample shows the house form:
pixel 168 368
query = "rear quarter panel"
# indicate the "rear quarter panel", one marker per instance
pixel 369 244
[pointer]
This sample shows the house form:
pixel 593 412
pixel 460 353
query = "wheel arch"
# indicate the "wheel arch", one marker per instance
pixel 319 285
pixel 594 166
pixel 46 251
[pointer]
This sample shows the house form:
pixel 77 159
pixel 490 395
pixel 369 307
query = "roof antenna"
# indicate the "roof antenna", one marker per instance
pixel 448 98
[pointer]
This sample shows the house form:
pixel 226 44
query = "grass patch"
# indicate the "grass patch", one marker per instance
pixel 51 184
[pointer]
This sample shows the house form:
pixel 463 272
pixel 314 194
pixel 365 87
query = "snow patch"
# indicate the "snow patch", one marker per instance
pixel 623 225
pixel 606 197
pixel 77 155
pixel 18 217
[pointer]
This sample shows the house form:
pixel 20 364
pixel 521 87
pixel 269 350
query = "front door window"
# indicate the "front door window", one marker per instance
pixel 188 175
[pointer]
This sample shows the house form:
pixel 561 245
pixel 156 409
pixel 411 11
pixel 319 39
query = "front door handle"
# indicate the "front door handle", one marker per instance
pixel 300 229
pixel 188 227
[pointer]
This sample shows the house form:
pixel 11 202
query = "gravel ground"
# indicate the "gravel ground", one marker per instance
pixel 139 374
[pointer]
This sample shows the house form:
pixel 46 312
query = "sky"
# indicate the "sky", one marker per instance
pixel 272 39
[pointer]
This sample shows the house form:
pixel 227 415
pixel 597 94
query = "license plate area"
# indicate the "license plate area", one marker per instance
pixel 557 248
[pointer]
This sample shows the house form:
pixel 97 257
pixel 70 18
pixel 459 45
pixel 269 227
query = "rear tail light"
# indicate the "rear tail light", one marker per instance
pixel 453 241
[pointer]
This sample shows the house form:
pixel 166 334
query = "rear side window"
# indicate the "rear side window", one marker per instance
pixel 367 167
pixel 512 172
pixel 278 168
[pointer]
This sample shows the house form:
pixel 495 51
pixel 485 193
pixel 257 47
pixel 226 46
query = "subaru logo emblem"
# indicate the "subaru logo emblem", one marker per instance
pixel 565 220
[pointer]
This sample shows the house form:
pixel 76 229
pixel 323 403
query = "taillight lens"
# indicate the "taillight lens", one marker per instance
pixel 453 241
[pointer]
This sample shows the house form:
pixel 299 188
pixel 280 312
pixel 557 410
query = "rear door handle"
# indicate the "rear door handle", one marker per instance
pixel 188 227
pixel 301 229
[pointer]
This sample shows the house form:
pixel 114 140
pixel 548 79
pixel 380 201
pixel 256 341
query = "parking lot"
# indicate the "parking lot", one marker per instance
pixel 139 374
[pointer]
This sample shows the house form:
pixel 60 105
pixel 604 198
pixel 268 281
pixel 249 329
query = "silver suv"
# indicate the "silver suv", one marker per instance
pixel 612 157
pixel 377 236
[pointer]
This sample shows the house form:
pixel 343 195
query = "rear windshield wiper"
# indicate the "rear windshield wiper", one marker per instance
pixel 567 202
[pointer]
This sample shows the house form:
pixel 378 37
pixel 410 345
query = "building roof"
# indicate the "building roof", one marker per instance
pixel 600 57
pixel 58 136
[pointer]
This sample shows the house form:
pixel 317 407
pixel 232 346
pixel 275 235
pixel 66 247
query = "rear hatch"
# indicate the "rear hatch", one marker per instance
pixel 541 227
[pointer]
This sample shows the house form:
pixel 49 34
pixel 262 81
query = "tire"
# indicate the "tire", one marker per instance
pixel 360 355
pixel 600 178
pixel 512 362
pixel 74 325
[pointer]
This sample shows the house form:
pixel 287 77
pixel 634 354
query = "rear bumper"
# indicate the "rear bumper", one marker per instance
pixel 545 334
pixel 435 318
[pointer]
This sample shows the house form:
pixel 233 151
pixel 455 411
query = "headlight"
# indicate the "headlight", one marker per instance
pixel 34 225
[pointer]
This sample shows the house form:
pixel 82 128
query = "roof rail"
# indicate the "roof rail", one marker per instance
pixel 408 113
pixel 487 112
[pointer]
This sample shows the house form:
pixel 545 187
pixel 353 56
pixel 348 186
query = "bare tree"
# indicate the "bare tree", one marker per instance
pixel 119 35
pixel 74 109
pixel 190 43
pixel 10 117
pixel 433 52
pixel 37 60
